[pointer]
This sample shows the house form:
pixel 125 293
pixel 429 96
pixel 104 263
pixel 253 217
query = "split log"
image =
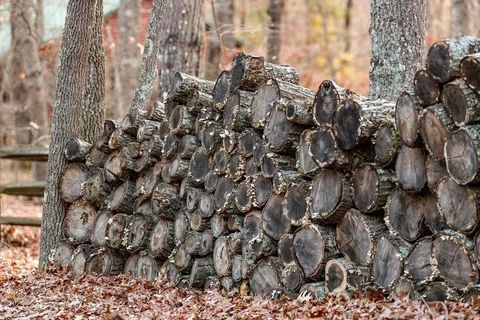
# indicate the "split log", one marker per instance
pixel 250 72
pixel 187 146
pixel 140 228
pixel 206 205
pixel 433 219
pixel 114 172
pixel 275 221
pixel 306 164
pixel 79 222
pixel 435 128
pixel 259 151
pixel 220 161
pixel 387 144
pixel 218 224
pixel 221 89
pixel 146 129
pixel 120 139
pixel 462 154
pixel 295 205
pixel 250 168
pixel 162 239
pixel 186 87
pixel 407 119
pixel 193 198
pixel 410 168
pixel 99 232
pixel 443 58
pixel 237 111
pixel 357 121
pixel 202 268
pixel 200 165
pixel 210 136
pixel 72 181
pixel 199 243
pixel 224 197
pixel 272 162
pixel 327 100
pixel 236 167
pixel 117 232
pixel 357 235
pixel 247 141
pixel 170 146
pixel 77 150
pixel 262 190
pixel 454 259
pixel 459 205
pixel 341 276
pixel 121 199
pixel 211 180
pixel 269 92
pixel 229 140
pixel 181 226
pixel 256 243
pixel 63 254
pixel 330 197
pixel 265 279
pixel 105 262
pixel 419 265
pixel 299 112
pixel 314 246
pixel 388 262
pixel 461 103
pixel 404 215
pixel 292 277
pixel 198 222
pixel 156 145
pixel 79 259
pixel 469 68
pixel 286 250
pixel 427 90
pixel 165 201
pixel 176 170
pixel 157 111
pixel 436 171
pixel 222 257
pixel 181 122
pixel 244 196
pixel 371 187
pixel 282 179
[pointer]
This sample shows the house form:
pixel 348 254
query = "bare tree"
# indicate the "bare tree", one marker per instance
pixel 461 16
pixel 71 80
pixel 93 107
pixel 128 54
pixel 274 40
pixel 181 44
pixel 397 32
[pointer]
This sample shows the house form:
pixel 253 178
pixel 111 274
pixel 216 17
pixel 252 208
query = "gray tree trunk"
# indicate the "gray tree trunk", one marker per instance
pixel 397 32
pixel 93 108
pixel 128 54
pixel 274 39
pixel 181 43
pixel 71 80
pixel 461 16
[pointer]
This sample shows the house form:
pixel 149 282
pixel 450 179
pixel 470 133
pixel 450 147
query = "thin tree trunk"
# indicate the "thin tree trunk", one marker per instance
pixel 148 71
pixel 274 40
pixel 71 80
pixel 460 17
pixel 128 54
pixel 93 108
pixel 181 43
pixel 397 31
pixel 348 25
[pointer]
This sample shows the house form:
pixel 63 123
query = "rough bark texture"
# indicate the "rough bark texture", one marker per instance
pixel 66 115
pixel 397 32
pixel 181 41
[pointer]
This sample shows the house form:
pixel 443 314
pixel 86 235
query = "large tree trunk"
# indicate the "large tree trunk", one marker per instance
pixel 275 10
pixel 128 54
pixel 93 108
pixel 181 41
pixel 397 32
pixel 71 80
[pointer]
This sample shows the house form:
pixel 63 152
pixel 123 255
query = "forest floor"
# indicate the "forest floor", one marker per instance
pixel 26 293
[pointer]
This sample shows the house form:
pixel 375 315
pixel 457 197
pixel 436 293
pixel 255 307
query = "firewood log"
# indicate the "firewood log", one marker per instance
pixel 182 259
pixel 237 111
pixel 220 161
pixel 187 146
pixel 306 164
pixel 436 171
pixel 433 219
pixel 186 87
pixel 165 201
pixel 146 129
pixel 443 58
pixel 199 243
pixel 275 221
pixel 211 180
pixel 202 268
pixel 221 89
pixel 210 136
pixel 121 199
pixel 147 267
pixel 206 205
pixel 247 141
pixel 79 222
pixel 435 128
pixel 282 179
pixel 469 67
pixel 427 90
pixel 140 228
pixel 218 224
pixel 410 168
pixel 200 165
pixel 72 181
pixel 327 100
pixel 198 222
pixel 117 232
pixel 120 139
pixel 244 195
pixel 419 264
pixel 181 122
pixel 104 261
pixel 341 276
pixel 387 144
pixel 272 162
pixel 222 257
pixel 265 279
pixel 157 111
pixel 292 277
pixel 462 152
pixel 162 242
pixel 170 146
pixel 315 290
pixel 295 205
pixel 236 167
pixel 224 197
pixel 299 112
pixel 63 254
pixel 77 150
pixel 99 232
pixel 262 190
pixel 407 119
pixel 79 259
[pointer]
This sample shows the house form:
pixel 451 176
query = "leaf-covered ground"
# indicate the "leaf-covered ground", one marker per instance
pixel 26 293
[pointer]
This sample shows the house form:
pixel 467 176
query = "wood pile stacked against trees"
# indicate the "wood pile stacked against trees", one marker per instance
pixel 257 183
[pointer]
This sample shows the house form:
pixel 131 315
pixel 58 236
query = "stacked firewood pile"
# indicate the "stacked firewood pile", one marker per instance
pixel 257 183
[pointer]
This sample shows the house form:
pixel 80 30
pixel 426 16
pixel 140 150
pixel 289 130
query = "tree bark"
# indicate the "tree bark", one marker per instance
pixel 71 80
pixel 181 41
pixel 275 10
pixel 397 32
